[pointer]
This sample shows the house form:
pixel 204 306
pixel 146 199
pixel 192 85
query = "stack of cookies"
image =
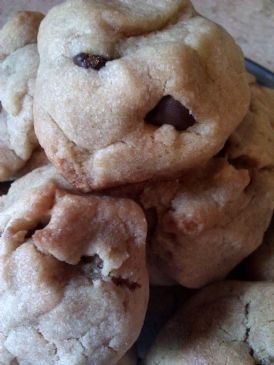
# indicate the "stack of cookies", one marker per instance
pixel 140 153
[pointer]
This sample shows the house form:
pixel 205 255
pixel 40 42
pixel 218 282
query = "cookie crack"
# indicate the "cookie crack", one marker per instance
pixel 69 141
pixel 247 329
pixel 55 349
pixel 83 348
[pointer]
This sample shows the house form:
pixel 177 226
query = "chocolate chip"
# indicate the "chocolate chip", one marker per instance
pixel 170 111
pixel 87 60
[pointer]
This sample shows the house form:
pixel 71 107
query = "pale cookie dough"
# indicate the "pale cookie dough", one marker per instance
pixel 208 221
pixel 19 61
pixel 73 279
pixel 260 265
pixel 133 90
pixel 229 323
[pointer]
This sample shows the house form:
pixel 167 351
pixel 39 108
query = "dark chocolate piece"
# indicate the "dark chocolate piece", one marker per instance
pixel 170 111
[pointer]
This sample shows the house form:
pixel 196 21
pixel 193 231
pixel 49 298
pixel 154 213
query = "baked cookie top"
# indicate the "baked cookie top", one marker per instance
pixel 73 279
pixel 133 90
pixel 226 323
pixel 19 61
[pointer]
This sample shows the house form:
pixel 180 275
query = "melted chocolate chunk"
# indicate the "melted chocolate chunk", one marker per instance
pixel 87 60
pixel 170 111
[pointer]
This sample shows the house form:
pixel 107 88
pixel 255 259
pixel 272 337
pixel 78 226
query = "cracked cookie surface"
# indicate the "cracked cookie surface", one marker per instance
pixel 128 91
pixel 73 280
pixel 19 61
pixel 226 323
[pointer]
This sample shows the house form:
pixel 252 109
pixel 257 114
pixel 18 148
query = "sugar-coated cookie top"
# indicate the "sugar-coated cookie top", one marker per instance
pixel 133 90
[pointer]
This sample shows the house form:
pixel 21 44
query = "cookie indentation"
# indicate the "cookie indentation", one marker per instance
pixel 93 266
pixel 170 111
pixel 87 60
pixel 38 227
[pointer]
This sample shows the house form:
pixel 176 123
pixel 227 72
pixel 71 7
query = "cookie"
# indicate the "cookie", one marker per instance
pixel 129 91
pixel 208 221
pixel 226 323
pixel 19 61
pixel 260 265
pixel 73 279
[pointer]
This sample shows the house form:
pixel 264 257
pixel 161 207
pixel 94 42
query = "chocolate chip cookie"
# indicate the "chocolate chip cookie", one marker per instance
pixel 73 279
pixel 133 90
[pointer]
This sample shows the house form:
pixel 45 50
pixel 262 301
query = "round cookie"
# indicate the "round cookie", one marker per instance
pixel 208 221
pixel 19 61
pixel 73 279
pixel 260 265
pixel 226 323
pixel 133 90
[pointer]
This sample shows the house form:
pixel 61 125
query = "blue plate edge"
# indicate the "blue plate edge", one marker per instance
pixel 263 76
